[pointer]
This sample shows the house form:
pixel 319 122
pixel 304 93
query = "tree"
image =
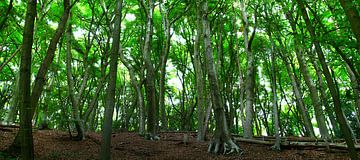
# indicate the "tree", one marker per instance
pixel 221 142
pixel 353 18
pixel 111 88
pixel 27 147
pixel 150 71
pixel 334 92
pixel 250 73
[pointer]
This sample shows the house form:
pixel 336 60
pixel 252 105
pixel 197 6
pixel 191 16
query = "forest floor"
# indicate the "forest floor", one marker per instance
pixel 53 144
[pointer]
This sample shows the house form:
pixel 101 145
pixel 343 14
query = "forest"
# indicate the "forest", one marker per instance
pixel 210 78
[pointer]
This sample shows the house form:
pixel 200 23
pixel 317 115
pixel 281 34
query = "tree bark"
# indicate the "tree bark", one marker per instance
pixel 222 141
pixel 150 71
pixel 356 91
pixel 353 16
pixel 275 99
pixel 250 75
pixel 199 77
pixel 139 94
pixel 74 98
pixel 4 18
pixel 27 146
pixel 300 102
pixel 164 57
pixel 105 152
pixel 334 93
pixel 321 86
pixel 320 117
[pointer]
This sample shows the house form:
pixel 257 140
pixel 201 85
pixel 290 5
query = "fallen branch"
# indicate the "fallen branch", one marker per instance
pixel 298 144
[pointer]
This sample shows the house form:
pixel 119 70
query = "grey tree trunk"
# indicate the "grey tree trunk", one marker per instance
pixel 332 87
pixel 74 98
pixel 15 101
pixel 139 94
pixel 319 113
pixel 150 71
pixel 27 146
pixel 222 141
pixel 275 113
pixel 300 102
pixel 199 76
pixel 321 86
pixel 356 91
pixel 250 75
pixel 105 152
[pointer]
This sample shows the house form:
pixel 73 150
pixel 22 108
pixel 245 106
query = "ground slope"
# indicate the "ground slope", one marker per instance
pixel 52 144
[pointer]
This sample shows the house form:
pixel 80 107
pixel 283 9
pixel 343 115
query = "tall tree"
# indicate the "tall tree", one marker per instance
pixel 250 72
pixel 320 117
pixel 150 71
pixel 331 84
pixel 27 147
pixel 221 142
pixel 74 98
pixel 199 75
pixel 105 152
pixel 40 79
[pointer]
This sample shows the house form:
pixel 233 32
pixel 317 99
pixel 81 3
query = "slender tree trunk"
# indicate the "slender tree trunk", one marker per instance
pixel 42 72
pixel 199 76
pixel 150 71
pixel 353 16
pixel 250 76
pixel 74 99
pixel 164 57
pixel 27 146
pixel 320 117
pixel 139 94
pixel 334 93
pixel 356 91
pixel 105 152
pixel 15 101
pixel 321 87
pixel 275 99
pixel 300 102
pixel 4 18
pixel 221 135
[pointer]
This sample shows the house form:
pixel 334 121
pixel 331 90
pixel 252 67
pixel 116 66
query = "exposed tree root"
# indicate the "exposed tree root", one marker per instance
pixel 276 147
pixel 219 146
pixel 152 137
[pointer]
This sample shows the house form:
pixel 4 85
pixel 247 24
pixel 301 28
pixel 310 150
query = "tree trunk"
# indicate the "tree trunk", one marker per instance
pixel 356 91
pixel 139 94
pixel 105 152
pixel 353 16
pixel 300 102
pixel 276 146
pixel 150 71
pixel 328 109
pixel 15 101
pixel 320 117
pixel 74 99
pixel 334 93
pixel 250 75
pixel 27 146
pixel 199 77
pixel 164 57
pixel 4 18
pixel 222 141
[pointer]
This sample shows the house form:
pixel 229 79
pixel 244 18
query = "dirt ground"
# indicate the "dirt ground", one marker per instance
pixel 52 144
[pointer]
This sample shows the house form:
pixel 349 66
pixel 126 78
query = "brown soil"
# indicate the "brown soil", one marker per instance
pixel 52 144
